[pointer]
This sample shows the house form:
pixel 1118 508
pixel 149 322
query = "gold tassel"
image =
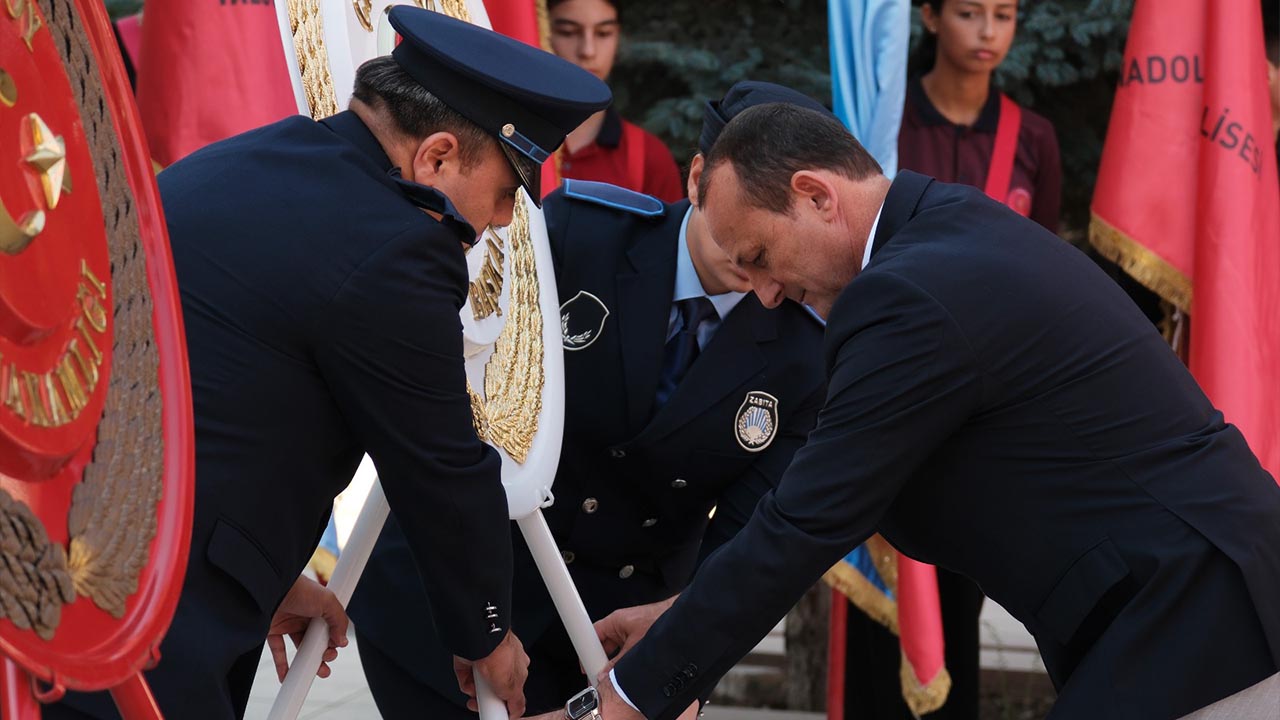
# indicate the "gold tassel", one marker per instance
pixel 1140 263
pixel 925 698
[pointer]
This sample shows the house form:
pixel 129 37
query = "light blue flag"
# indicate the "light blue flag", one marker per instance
pixel 869 42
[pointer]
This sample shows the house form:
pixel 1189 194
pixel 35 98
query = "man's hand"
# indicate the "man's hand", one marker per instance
pixel 623 628
pixel 506 669
pixel 307 599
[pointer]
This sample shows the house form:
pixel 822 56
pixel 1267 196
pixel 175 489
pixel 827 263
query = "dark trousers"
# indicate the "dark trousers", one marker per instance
pixel 872 688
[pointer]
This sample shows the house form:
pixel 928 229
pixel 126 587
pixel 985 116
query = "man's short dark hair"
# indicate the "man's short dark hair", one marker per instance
pixel 384 86
pixel 767 144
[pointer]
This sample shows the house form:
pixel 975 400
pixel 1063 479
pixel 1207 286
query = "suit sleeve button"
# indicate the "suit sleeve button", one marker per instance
pixel 627 571
pixel 668 689
pixel 679 483
pixel 649 522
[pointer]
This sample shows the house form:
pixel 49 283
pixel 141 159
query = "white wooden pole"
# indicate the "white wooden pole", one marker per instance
pixel 564 593
pixel 302 671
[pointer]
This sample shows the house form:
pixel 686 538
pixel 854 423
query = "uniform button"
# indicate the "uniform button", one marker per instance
pixel 617 453
pixel 678 483
pixel 627 571
pixel 590 505
pixel 567 555
pixel 649 523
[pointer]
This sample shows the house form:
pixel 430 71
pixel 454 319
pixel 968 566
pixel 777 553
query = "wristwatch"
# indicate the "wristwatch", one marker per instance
pixel 583 706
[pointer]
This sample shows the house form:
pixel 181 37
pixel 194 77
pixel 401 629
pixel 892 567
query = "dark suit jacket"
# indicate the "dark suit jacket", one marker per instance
pixel 321 313
pixel 998 407
pixel 634 488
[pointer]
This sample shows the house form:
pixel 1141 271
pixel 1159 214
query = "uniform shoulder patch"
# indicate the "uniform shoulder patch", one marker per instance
pixel 612 196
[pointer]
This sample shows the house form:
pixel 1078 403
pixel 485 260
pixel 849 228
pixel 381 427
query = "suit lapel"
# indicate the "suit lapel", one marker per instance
pixel 644 307
pixel 731 358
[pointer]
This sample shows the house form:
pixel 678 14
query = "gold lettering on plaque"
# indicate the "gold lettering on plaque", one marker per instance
pixel 32 23
pixel 49 158
pixel 57 397
pixel 77 398
pixel 38 414
pixel 11 393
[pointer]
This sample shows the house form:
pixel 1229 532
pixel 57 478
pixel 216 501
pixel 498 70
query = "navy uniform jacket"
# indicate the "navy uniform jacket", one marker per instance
pixel 321 314
pixel 633 489
pixel 998 407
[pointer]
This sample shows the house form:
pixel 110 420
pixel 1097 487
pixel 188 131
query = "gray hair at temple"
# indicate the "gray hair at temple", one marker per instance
pixel 768 144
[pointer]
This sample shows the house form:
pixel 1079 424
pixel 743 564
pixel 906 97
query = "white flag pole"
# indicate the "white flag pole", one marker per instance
pixel 302 672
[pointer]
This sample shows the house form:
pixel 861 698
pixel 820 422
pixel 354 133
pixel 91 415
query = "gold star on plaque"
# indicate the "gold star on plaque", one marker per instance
pixel 49 158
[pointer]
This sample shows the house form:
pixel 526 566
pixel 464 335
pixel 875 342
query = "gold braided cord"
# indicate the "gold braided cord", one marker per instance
pixel 307 27
pixel 923 698
pixel 507 416
pixel 1140 263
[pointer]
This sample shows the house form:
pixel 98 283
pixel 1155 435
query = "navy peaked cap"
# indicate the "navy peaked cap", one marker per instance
pixel 743 95
pixel 527 98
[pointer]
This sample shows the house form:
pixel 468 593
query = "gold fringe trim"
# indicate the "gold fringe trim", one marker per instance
pixel 869 599
pixel 307 26
pixel 885 557
pixel 544 24
pixel 924 698
pixel 1140 263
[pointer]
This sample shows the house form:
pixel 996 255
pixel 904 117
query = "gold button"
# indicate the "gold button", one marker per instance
pixel 626 571
pixel 567 555
pixel 590 505
pixel 508 130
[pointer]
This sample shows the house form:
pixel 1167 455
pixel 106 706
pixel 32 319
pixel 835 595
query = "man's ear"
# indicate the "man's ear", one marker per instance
pixel 814 190
pixel 437 155
pixel 695 174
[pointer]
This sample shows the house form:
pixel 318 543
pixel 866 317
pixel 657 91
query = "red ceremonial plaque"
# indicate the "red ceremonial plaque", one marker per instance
pixel 96 448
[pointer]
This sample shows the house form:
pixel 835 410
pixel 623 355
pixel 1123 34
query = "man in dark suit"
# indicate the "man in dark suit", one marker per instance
pixel 996 406
pixel 321 268
pixel 666 419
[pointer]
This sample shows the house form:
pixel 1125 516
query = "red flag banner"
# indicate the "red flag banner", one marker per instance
pixel 1187 199
pixel 209 69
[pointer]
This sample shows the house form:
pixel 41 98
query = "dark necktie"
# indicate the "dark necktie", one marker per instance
pixel 682 348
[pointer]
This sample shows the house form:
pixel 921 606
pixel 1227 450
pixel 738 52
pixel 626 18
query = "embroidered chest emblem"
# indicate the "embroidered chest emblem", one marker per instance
pixel 582 320
pixel 756 423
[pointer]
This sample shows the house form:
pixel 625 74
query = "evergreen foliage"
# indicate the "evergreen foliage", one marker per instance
pixel 677 55
pixel 122 8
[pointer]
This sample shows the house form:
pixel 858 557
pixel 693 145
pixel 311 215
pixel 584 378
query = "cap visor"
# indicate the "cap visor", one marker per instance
pixel 529 172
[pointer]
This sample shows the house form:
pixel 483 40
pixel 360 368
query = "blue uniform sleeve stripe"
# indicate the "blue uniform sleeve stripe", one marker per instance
pixel 612 196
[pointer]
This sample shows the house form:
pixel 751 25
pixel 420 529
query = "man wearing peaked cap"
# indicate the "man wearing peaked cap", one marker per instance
pixel 682 393
pixel 321 269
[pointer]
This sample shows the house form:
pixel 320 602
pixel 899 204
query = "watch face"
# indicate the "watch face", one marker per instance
pixel 583 703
